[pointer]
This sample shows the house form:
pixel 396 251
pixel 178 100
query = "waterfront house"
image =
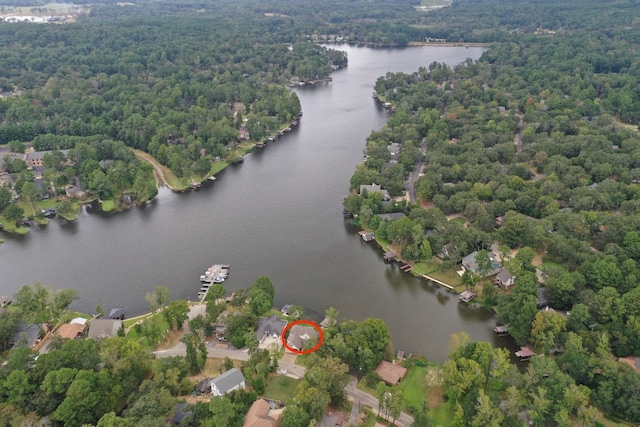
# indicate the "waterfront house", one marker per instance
pixel 300 335
pixel 375 188
pixel 104 328
pixel 258 415
pixel 227 382
pixel 71 331
pixel 327 323
pixel 391 373
pixel 25 335
pixel 391 216
pixel 504 279
pixel 469 262
pixel 271 326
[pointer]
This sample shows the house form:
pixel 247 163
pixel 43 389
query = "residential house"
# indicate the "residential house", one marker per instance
pixel 450 250
pixel 104 328
pixel 327 323
pixel 469 262
pixel 299 335
pixel 34 159
pixel 271 326
pixel 394 150
pixel 258 415
pixel 71 331
pixel 227 382
pixel 543 298
pixel 375 188
pixel 504 279
pixel 391 216
pixel 25 335
pixel 391 373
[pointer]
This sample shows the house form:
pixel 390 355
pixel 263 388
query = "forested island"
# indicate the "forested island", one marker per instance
pixel 530 155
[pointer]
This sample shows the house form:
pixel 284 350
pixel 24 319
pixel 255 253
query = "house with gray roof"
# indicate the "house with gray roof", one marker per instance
pixel 271 326
pixel 375 188
pixel 227 382
pixel 391 216
pixel 104 328
pixel 300 334
pixel 469 262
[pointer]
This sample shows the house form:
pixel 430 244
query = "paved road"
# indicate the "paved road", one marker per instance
pixel 411 182
pixel 295 371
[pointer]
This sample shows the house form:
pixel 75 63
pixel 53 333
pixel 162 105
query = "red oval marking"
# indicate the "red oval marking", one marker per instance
pixel 303 322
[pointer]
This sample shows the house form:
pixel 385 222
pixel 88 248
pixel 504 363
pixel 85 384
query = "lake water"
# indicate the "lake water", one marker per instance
pixel 279 214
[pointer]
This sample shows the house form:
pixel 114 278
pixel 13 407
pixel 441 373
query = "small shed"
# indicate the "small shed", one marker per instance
pixel 204 386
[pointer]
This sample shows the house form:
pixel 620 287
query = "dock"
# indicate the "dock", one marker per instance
pixel 501 330
pixel 466 296
pixel 215 274
pixel 406 268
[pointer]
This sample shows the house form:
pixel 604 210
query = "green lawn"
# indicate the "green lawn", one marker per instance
pixel 280 387
pixel 414 386
pixel 440 416
pixel 134 335
pixel 449 277
pixel 108 205
pixel 10 227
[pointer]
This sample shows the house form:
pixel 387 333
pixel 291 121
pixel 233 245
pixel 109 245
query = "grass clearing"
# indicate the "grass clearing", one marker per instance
pixel 440 416
pixel 280 387
pixel 449 277
pixel 10 227
pixel 414 385
pixel 108 205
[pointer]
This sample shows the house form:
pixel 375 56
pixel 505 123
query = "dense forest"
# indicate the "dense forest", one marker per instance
pixel 536 148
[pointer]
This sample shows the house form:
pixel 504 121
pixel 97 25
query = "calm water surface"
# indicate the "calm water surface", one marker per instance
pixel 278 214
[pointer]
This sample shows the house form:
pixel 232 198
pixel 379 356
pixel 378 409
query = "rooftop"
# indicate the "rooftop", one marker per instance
pixel 390 372
pixel 228 380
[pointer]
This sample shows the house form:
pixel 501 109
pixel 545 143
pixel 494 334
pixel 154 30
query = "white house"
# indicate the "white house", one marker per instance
pixel 227 382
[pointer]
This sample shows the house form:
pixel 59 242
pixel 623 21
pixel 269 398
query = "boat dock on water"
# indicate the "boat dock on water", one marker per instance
pixel 215 274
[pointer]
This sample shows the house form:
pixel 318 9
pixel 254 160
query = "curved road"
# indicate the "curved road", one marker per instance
pixel 360 397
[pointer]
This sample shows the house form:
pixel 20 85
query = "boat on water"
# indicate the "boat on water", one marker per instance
pixel 217 273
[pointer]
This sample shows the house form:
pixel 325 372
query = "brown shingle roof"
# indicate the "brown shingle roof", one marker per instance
pixel 71 330
pixel 390 372
pixel 257 415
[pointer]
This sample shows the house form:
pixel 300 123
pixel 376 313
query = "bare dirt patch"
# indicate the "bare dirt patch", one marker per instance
pixel 170 339
pixel 212 368
pixel 433 379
